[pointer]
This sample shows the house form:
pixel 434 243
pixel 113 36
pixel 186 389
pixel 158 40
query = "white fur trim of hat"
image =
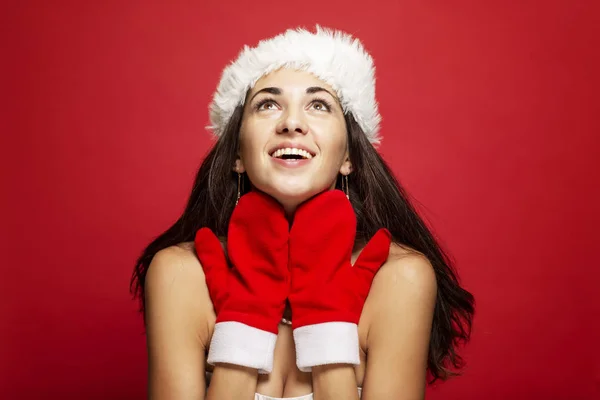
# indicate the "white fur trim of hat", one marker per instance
pixel 333 56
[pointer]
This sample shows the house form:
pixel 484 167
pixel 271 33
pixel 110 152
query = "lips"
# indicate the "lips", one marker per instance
pixel 290 151
pixel 292 154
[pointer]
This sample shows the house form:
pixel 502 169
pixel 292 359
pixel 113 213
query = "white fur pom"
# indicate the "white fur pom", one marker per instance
pixel 333 56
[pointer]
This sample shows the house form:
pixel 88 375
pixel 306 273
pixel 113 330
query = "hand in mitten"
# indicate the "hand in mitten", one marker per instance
pixel 248 296
pixel 328 292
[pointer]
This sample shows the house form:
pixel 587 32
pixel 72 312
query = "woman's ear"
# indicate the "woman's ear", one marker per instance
pixel 346 167
pixel 239 166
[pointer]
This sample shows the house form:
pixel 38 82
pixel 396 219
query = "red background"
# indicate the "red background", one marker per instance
pixel 490 120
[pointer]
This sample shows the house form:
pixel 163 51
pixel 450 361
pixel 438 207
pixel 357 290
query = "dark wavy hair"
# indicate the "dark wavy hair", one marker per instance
pixel 378 200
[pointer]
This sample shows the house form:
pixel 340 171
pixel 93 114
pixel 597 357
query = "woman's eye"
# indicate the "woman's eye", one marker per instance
pixel 265 105
pixel 320 106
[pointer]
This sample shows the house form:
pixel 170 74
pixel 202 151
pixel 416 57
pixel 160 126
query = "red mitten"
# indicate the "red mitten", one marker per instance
pixel 328 292
pixel 248 297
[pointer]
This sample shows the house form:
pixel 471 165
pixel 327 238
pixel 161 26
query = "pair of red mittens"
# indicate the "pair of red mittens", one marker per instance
pixel 308 264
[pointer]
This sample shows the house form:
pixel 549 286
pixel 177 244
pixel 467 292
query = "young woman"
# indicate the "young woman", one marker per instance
pixel 299 269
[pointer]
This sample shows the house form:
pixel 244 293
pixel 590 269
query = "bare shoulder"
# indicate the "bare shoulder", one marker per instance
pixel 407 266
pixel 398 321
pixel 176 291
pixel 406 279
pixel 178 316
pixel 172 265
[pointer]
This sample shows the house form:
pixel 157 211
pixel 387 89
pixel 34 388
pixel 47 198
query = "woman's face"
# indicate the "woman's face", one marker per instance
pixel 293 139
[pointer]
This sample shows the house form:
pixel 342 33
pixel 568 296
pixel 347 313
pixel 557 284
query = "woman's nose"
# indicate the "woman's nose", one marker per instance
pixel 292 121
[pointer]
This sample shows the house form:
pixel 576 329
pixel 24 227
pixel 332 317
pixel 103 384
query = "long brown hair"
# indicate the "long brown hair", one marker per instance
pixel 378 200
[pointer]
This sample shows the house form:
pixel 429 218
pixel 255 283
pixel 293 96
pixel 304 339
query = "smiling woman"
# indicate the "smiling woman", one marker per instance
pixel 294 216
pixel 290 113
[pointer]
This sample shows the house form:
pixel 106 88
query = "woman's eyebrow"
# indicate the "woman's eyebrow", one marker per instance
pixel 278 91
pixel 317 89
pixel 272 90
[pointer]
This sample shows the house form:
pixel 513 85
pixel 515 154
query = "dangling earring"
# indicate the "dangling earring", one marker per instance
pixel 239 194
pixel 345 188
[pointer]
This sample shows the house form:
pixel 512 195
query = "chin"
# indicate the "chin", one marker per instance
pixel 292 196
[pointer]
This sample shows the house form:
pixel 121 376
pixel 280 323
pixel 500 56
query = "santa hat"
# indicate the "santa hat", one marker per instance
pixel 333 56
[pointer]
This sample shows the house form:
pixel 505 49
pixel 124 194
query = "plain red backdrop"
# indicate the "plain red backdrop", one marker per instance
pixel 490 119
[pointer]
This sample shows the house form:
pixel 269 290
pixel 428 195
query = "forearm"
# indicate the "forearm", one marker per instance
pixel 334 382
pixel 232 382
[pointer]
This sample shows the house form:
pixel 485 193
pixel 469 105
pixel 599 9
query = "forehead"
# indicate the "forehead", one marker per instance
pixel 290 79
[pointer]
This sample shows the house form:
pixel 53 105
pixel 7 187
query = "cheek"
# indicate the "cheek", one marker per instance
pixel 245 149
pixel 250 144
pixel 251 153
pixel 335 145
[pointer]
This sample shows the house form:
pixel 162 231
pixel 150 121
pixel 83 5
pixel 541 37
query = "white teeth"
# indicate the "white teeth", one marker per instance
pixel 291 151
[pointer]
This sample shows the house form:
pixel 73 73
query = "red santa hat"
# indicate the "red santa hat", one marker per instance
pixel 333 56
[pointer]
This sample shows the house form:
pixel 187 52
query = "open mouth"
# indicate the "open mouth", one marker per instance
pixel 292 154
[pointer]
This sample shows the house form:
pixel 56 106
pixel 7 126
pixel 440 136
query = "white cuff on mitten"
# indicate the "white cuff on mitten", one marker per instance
pixel 326 343
pixel 239 344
